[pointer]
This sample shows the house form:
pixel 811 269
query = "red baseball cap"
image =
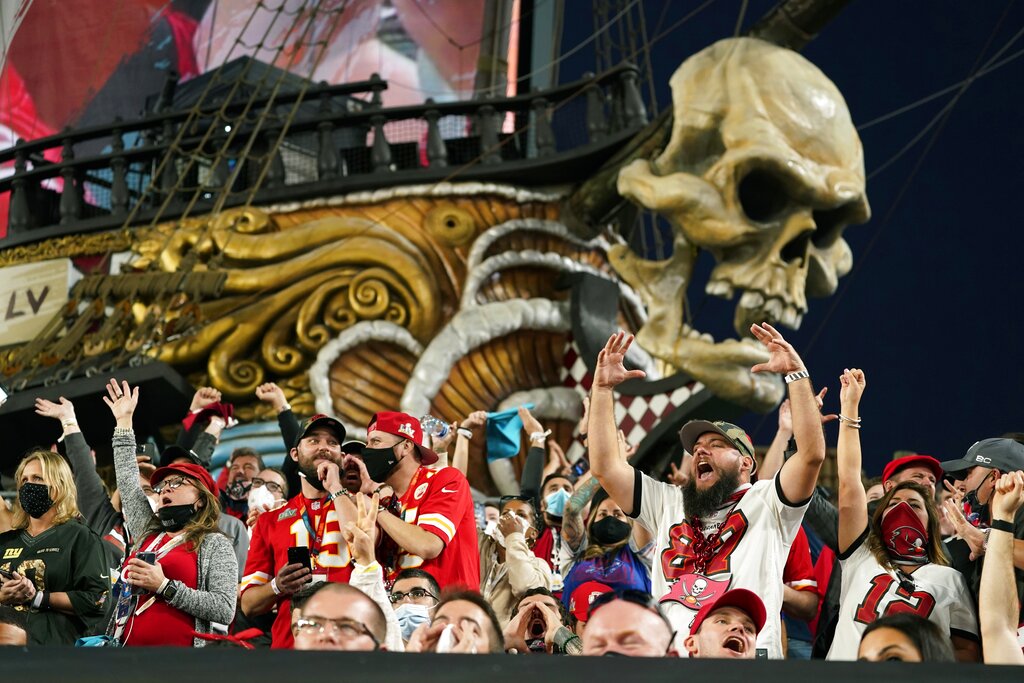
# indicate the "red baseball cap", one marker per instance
pixel 405 426
pixel 583 595
pixel 188 469
pixel 741 599
pixel 916 460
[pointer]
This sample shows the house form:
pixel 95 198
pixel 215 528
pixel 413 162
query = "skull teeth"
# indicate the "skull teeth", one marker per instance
pixel 751 300
pixel 719 288
pixel 790 317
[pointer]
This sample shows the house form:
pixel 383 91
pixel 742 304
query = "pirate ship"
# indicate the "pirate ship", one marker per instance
pixel 257 224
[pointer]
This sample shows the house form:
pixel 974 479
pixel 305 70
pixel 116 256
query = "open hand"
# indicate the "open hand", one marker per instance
pixel 63 411
pixel 974 537
pixel 122 401
pixel 610 370
pixel 784 358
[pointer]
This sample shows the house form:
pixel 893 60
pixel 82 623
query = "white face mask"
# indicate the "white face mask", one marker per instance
pixel 411 616
pixel 490 527
pixel 261 496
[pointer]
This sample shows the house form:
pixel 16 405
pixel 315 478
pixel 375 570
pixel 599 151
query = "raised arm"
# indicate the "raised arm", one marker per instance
pixel 775 457
pixel 122 400
pixel 615 474
pixel 799 474
pixel 853 499
pixel 573 524
pixel 473 422
pixel 273 395
pixel 93 501
pixel 999 608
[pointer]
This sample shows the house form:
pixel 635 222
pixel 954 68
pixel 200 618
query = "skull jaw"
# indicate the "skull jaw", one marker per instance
pixel 723 367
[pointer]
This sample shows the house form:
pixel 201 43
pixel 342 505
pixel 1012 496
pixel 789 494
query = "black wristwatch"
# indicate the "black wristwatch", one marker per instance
pixel 169 591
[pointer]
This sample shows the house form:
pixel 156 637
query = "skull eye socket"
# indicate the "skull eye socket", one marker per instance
pixel 762 196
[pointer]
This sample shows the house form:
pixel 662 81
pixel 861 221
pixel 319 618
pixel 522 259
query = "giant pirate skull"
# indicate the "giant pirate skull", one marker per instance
pixel 764 170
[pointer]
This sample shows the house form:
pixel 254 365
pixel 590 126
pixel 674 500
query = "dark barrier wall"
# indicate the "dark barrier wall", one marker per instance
pixel 157 665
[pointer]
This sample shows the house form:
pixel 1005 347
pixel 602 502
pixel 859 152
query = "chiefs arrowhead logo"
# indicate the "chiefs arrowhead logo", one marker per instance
pixel 695 590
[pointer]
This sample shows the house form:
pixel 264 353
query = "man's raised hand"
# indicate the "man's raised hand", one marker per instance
pixel 610 370
pixel 784 358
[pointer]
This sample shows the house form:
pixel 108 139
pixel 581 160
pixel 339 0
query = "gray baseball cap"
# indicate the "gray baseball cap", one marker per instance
pixel 1005 455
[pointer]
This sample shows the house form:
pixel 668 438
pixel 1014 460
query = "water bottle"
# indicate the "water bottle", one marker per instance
pixel 436 428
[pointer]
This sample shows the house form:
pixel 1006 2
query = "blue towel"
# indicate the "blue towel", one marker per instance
pixel 503 432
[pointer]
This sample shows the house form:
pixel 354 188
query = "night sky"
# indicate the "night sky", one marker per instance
pixel 930 311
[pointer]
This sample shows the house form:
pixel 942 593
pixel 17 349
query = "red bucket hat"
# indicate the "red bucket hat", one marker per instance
pixel 404 426
pixel 188 469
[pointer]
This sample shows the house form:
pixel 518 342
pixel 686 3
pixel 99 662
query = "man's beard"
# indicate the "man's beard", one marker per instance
pixel 307 468
pixel 702 504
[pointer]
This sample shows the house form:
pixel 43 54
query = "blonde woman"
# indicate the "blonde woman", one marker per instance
pixel 52 567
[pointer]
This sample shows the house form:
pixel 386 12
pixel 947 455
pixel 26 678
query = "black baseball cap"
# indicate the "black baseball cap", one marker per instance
pixel 321 420
pixel 1005 455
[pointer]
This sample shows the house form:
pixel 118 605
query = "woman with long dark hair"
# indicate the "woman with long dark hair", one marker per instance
pixel 53 568
pixel 894 561
pixel 612 549
pixel 180 577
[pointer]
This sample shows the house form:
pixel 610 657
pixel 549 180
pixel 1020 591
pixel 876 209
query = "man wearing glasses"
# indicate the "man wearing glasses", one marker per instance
pixel 414 596
pixel 336 616
pixel 269 490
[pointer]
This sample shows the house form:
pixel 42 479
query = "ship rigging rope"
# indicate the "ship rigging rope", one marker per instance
pixel 225 190
pixel 175 146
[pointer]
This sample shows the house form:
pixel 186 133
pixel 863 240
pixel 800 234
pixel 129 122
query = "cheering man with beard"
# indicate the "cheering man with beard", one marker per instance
pixel 718 532
pixel 312 519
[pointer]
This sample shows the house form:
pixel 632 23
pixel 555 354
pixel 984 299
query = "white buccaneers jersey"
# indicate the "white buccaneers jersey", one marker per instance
pixel 869 591
pixel 751 552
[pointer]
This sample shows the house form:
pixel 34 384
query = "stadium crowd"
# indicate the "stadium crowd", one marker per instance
pixel 380 545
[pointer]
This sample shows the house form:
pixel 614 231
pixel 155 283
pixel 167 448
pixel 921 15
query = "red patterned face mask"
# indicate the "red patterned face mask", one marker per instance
pixel 904 535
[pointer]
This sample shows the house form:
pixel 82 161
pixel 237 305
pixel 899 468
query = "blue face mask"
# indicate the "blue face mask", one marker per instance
pixel 411 616
pixel 556 501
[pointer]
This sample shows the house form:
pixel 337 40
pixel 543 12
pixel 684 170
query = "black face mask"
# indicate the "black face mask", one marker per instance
pixel 609 531
pixel 175 517
pixel 238 489
pixel 35 499
pixel 380 462
pixel 311 476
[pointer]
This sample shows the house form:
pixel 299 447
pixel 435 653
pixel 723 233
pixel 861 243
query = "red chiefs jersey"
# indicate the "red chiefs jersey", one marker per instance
pixel 278 530
pixel 439 501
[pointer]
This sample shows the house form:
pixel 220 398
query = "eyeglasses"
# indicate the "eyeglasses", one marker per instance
pixel 346 628
pixel 171 484
pixel 273 487
pixel 416 594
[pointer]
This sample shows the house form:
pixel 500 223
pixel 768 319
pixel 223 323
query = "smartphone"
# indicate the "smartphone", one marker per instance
pixel 7 575
pixel 148 558
pixel 299 554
